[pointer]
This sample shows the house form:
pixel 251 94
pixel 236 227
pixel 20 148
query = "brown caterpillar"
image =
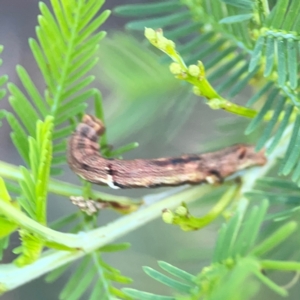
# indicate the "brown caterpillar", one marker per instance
pixel 85 160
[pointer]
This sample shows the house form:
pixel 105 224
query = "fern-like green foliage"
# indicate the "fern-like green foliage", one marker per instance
pixel 7 227
pixel 239 43
pixel 98 275
pixel 67 40
pixel 64 53
pixel 246 43
pixel 235 260
pixel 34 185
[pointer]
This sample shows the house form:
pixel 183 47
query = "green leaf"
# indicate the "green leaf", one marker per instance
pixel 87 48
pixel 191 45
pixel 6 227
pixel 147 8
pixel 81 288
pixel 268 130
pixel 235 283
pixel 75 278
pixel 2 93
pixel 245 4
pixel 259 117
pixel 72 112
pixel 159 21
pixel 97 292
pixel 4 195
pixel 144 296
pixel 174 284
pixel 218 254
pixel 58 246
pixel 3 79
pixel 222 70
pixel 242 83
pixel 79 86
pixel 292 62
pixel 275 239
pixel 276 18
pixel 115 276
pixel 282 65
pixel 81 68
pixel 275 182
pixel 32 90
pixel 231 234
pixel 22 107
pixel 233 78
pixel 256 55
pixel 250 229
pixel 30 250
pixel 296 173
pixel 292 14
pixel 183 31
pixel 90 10
pixel 42 64
pixel 87 32
pixel 260 93
pixel 63 132
pixel 270 49
pixel 60 148
pixel 177 272
pixel 236 19
pixel 281 128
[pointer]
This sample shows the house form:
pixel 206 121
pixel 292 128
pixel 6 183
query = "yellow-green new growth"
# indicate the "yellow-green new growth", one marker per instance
pixel 188 222
pixel 34 189
pixel 6 225
pixel 194 74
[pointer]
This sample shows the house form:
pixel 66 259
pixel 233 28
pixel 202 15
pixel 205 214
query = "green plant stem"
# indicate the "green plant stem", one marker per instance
pixel 99 112
pixel 273 286
pixel 62 188
pixel 12 276
pixel 188 222
pixel 18 217
pixel 275 239
pixel 221 103
pixel 280 265
pixel 214 100
pixel 195 74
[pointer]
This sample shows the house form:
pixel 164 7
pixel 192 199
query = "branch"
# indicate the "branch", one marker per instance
pixel 66 189
pixel 11 276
